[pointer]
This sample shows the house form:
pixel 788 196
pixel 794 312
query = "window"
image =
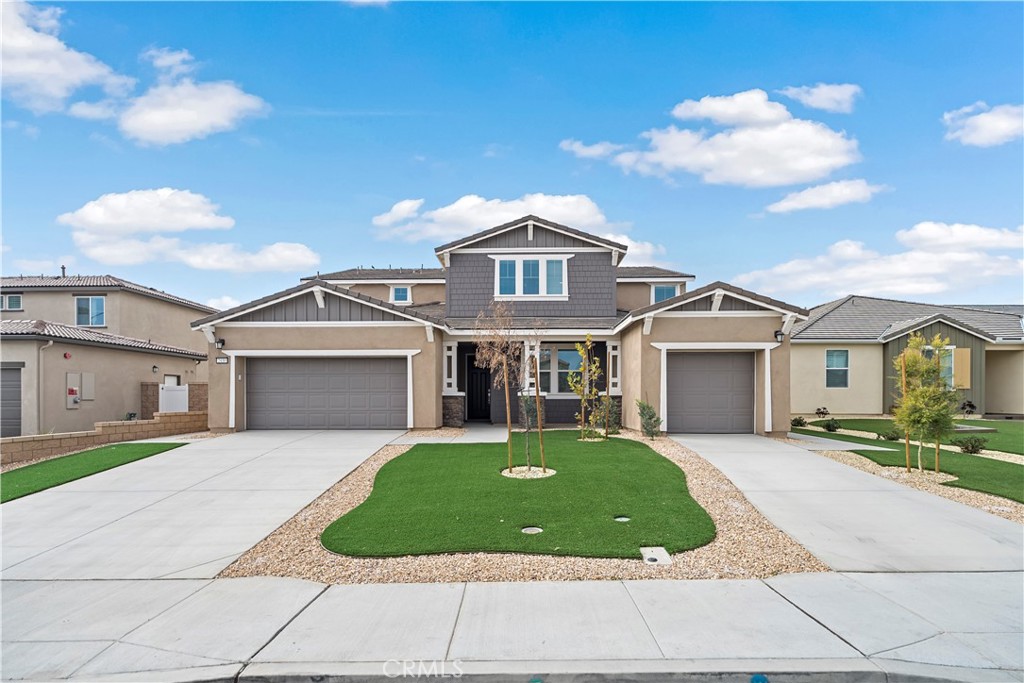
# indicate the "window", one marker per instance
pixel 662 292
pixel 945 363
pixel 544 369
pixel 11 302
pixel 400 295
pixel 89 311
pixel 837 369
pixel 568 361
pixel 172 380
pixel 541 278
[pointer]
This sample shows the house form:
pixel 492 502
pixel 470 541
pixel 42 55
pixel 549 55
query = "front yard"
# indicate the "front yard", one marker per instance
pixel 452 499
pixel 1008 437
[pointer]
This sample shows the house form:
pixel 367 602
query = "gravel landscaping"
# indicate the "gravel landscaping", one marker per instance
pixel 747 544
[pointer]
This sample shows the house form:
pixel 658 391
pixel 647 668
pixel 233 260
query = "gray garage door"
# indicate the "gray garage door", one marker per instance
pixel 10 402
pixel 326 393
pixel 711 393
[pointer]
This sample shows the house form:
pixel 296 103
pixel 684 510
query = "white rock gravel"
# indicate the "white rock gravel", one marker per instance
pixel 747 545
pixel 523 472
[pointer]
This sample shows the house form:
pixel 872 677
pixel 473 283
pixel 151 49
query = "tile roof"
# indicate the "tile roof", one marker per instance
pixel 537 220
pixel 548 323
pixel 1017 309
pixel 725 286
pixel 870 318
pixel 43 329
pixel 647 271
pixel 23 282
pixel 381 274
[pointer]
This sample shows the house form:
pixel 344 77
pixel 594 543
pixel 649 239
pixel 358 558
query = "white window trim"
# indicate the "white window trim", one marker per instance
pixel 847 368
pixel 391 296
pixel 5 305
pixel 655 285
pixel 90 297
pixel 543 287
pixel 952 362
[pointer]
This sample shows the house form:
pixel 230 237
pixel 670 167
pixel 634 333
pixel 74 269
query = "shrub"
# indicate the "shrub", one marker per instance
pixel 968 408
pixel 798 422
pixel 832 425
pixel 890 435
pixel 970 444
pixel 605 413
pixel 822 412
pixel 650 423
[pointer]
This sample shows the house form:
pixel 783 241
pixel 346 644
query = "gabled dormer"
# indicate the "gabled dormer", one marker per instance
pixel 543 268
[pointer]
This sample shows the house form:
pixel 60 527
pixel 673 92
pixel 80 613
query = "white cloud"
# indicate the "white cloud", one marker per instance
pixel 826 196
pixel 939 258
pixel 403 210
pixel 130 228
pixel 39 71
pixel 764 147
pixel 598 150
pixel 748 108
pixel 982 126
pixel 834 97
pixel 222 303
pixel 170 63
pixel 96 111
pixel 172 113
pixel 640 253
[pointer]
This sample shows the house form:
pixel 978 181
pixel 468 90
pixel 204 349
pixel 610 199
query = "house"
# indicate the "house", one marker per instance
pixel 77 348
pixel 842 356
pixel 394 348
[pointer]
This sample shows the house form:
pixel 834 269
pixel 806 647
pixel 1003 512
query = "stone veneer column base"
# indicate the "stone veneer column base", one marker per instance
pixel 453 410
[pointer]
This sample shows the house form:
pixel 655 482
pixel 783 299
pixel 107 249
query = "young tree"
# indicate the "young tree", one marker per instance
pixel 499 350
pixel 584 382
pixel 927 404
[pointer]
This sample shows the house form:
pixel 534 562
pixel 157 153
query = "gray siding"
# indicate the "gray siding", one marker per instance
pixel 304 308
pixel 542 239
pixel 728 304
pixel 957 338
pixel 591 288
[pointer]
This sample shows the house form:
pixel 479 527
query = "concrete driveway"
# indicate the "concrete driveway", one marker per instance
pixel 859 522
pixel 186 513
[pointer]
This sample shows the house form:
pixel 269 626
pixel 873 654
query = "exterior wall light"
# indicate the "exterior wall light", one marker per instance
pixel 219 343
pixel 779 336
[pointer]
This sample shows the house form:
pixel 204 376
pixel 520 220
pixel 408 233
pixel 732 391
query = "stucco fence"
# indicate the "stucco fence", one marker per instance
pixel 19 448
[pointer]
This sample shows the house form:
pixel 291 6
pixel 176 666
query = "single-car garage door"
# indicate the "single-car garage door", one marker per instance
pixel 10 402
pixel 710 393
pixel 326 393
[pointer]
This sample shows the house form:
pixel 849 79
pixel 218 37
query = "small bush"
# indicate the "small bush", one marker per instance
pixel 890 435
pixel 822 412
pixel 605 412
pixel 832 425
pixel 798 422
pixel 970 444
pixel 650 423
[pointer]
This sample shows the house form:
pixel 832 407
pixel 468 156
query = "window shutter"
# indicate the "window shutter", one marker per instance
pixel 962 368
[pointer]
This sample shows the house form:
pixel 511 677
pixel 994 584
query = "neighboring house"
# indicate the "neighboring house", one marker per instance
pixel 842 357
pixel 348 351
pixel 89 342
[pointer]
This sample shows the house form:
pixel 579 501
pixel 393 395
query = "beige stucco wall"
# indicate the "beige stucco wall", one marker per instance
pixel 426 365
pixel 865 394
pixel 642 362
pixel 422 293
pixel 119 376
pixel 632 295
pixel 59 307
pixel 1004 380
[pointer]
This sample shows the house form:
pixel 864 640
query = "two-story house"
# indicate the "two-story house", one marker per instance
pixel 395 348
pixel 76 349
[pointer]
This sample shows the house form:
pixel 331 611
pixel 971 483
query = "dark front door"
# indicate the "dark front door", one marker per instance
pixel 478 391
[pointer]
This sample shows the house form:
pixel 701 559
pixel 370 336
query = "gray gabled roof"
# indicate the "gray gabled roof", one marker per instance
pixel 864 318
pixel 648 271
pixel 44 329
pixel 543 222
pixel 100 282
pixel 594 324
pixel 386 274
pixel 1016 309
pixel 725 287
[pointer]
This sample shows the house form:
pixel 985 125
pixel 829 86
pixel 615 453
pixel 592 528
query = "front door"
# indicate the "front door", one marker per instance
pixel 478 391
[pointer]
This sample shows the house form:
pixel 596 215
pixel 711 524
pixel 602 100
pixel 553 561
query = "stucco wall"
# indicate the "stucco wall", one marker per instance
pixel 144 317
pixel 59 307
pixel 426 364
pixel 422 293
pixel 1004 381
pixel 807 382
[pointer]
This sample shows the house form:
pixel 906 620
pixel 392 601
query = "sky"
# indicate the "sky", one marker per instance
pixel 220 151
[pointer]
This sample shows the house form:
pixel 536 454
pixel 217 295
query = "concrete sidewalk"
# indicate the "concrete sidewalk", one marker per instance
pixel 835 627
pixel 856 521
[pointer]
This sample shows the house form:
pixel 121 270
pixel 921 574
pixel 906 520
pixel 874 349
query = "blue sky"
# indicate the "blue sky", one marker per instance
pixel 222 150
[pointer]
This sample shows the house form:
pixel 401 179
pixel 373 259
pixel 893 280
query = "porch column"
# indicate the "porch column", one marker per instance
pixel 451 369
pixel 614 369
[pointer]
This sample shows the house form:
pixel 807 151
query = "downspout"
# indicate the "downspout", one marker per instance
pixel 39 386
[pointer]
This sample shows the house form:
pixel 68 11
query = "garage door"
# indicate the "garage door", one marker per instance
pixel 710 393
pixel 10 402
pixel 326 393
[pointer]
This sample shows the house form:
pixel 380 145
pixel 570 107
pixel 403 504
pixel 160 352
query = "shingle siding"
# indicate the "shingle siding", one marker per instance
pixel 519 239
pixel 304 308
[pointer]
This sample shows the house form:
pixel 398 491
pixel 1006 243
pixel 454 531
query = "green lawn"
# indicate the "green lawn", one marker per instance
pixel 1009 438
pixel 43 475
pixel 974 472
pixel 452 498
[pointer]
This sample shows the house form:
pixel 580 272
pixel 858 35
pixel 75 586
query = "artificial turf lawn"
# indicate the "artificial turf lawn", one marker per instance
pixel 452 498
pixel 1009 438
pixel 974 472
pixel 43 475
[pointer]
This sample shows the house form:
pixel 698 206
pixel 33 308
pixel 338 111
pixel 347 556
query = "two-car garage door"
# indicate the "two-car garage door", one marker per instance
pixel 710 393
pixel 326 393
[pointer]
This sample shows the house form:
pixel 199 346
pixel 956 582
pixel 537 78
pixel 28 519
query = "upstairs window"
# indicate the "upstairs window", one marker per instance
pixel 837 369
pixel 11 302
pixel 541 277
pixel 90 311
pixel 662 292
pixel 400 295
